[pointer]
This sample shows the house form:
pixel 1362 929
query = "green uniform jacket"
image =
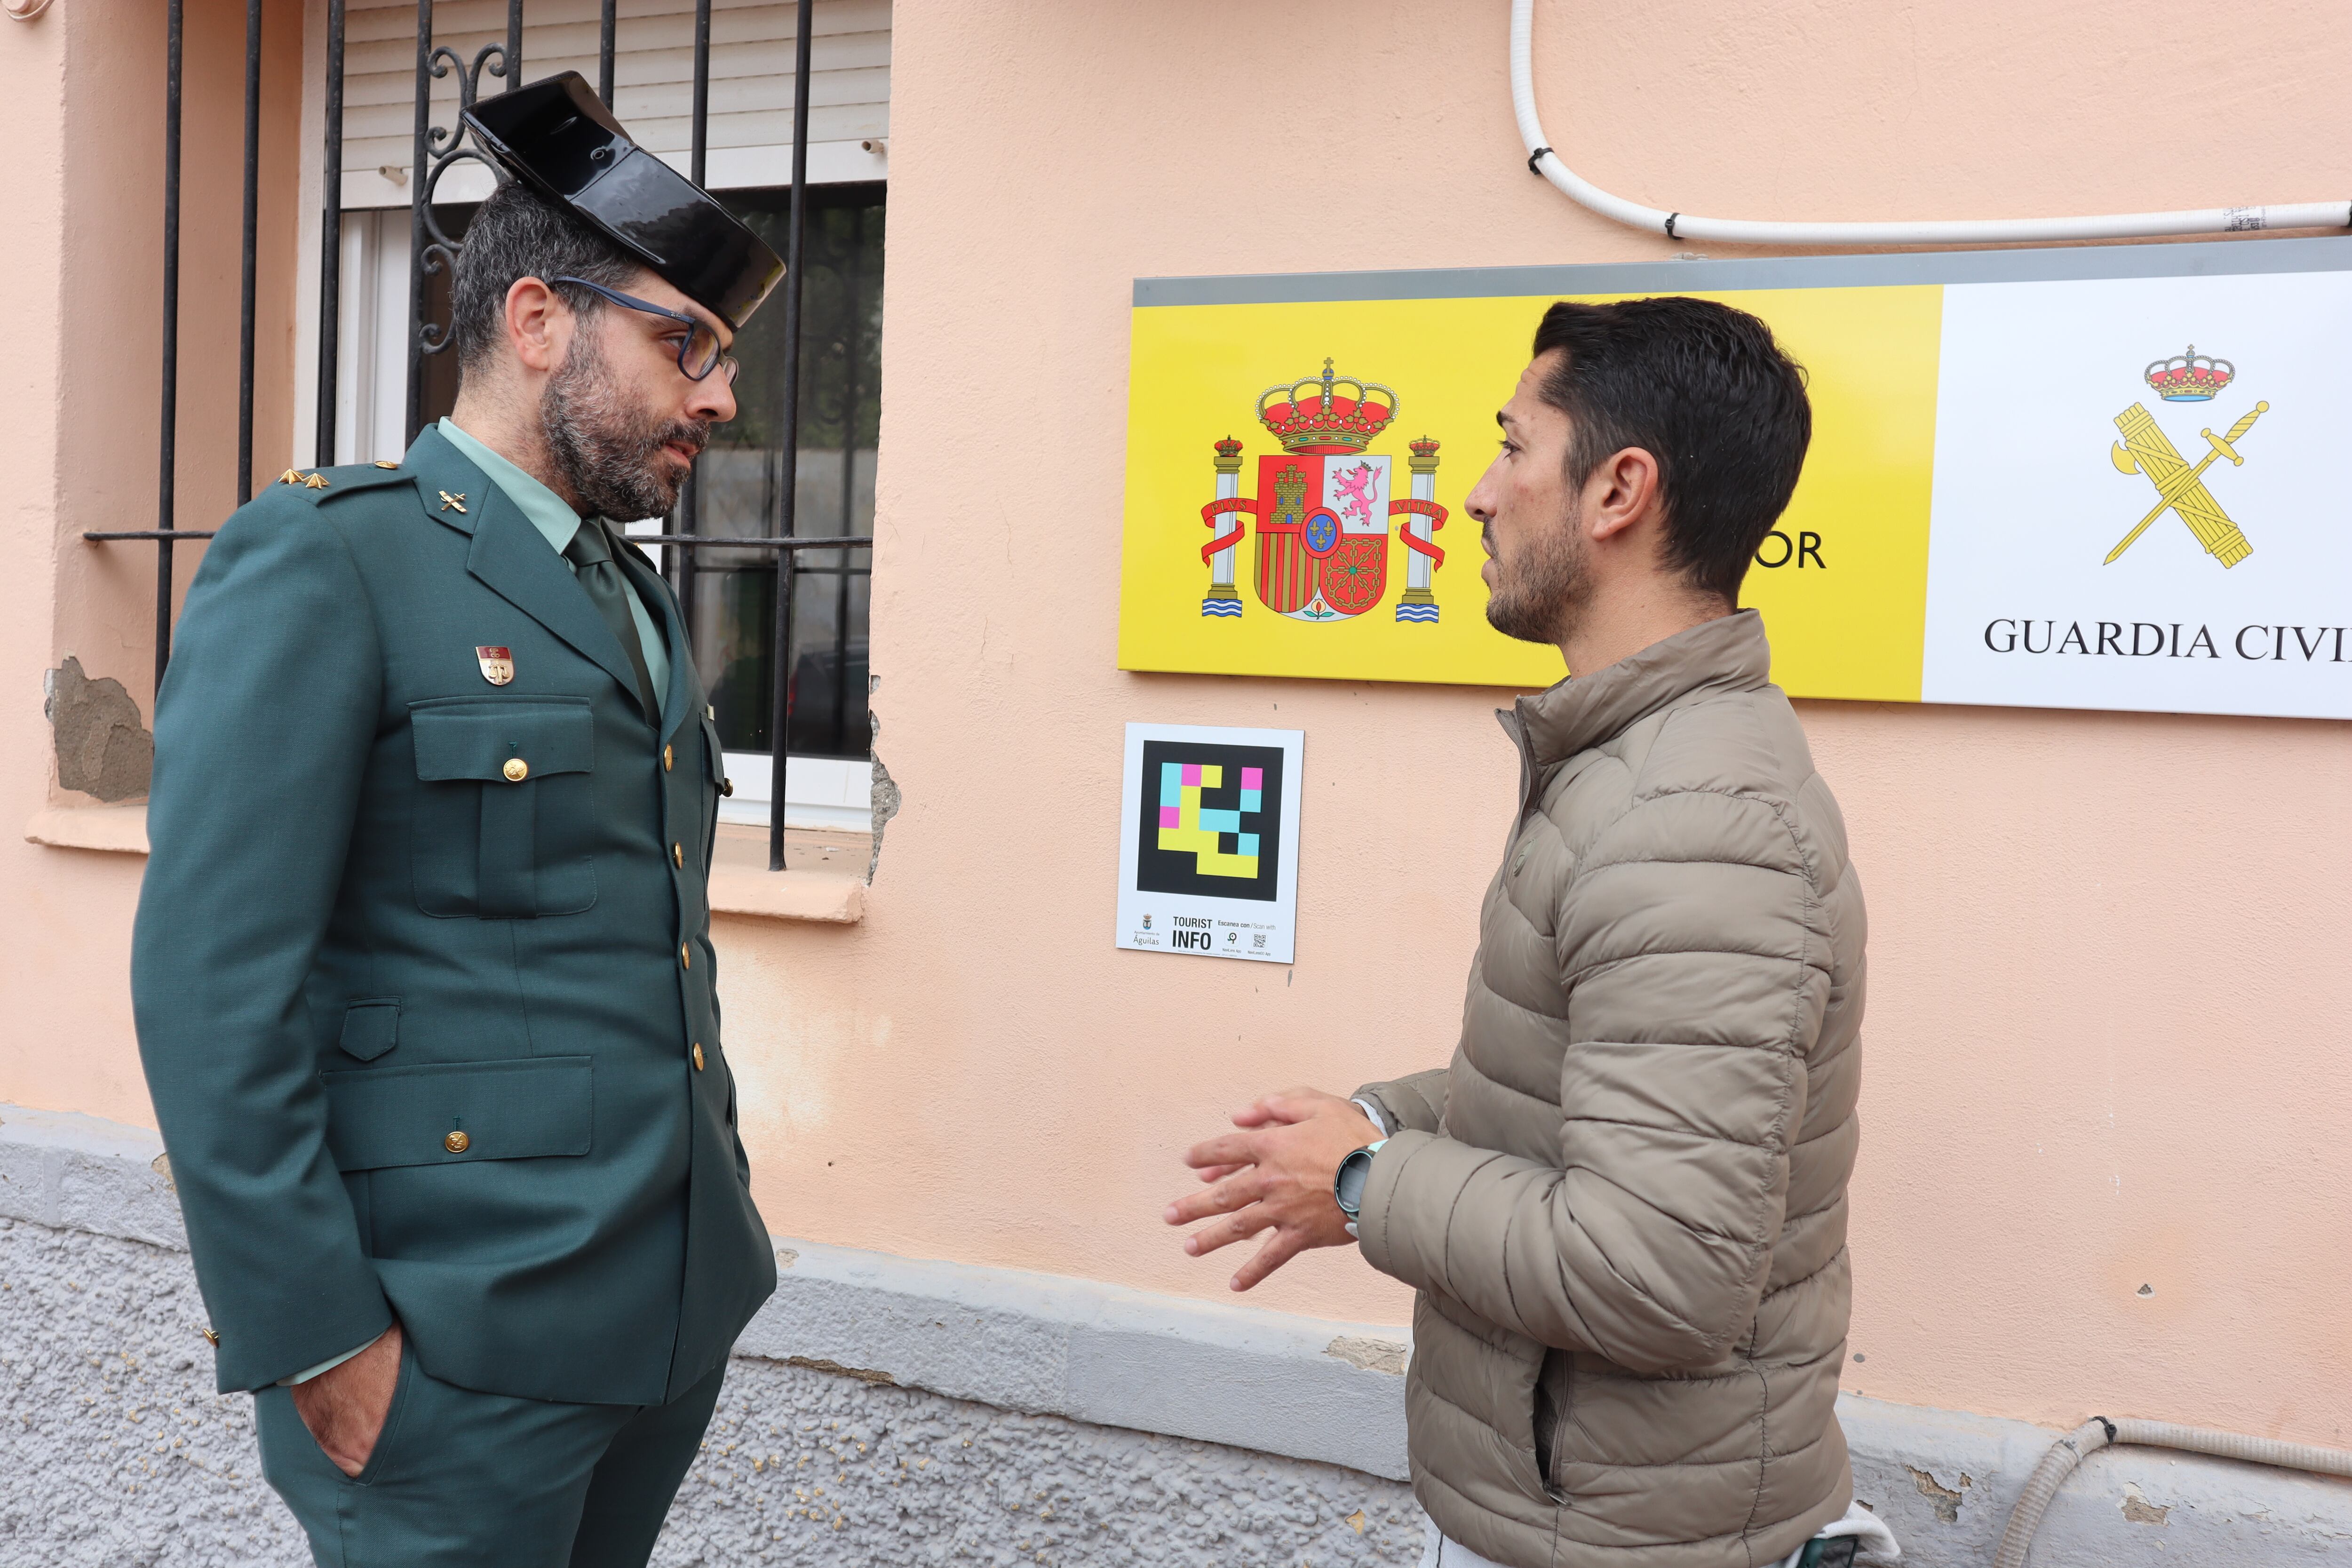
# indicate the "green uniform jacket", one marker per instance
pixel 422 962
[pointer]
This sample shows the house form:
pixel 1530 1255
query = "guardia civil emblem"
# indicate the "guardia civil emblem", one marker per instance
pixel 2180 489
pixel 498 665
pixel 1324 506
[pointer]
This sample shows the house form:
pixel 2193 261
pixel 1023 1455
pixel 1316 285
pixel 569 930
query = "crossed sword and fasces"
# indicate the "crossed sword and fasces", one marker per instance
pixel 2145 449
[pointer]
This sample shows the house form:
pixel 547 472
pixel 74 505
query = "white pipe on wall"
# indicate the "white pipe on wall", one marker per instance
pixel 2098 1432
pixel 1971 231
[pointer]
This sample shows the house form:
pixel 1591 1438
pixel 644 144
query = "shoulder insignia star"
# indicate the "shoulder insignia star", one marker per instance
pixel 316 482
pixel 380 463
pixel 290 477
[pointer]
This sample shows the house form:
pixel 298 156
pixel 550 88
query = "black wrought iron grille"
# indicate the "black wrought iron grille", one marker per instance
pixel 433 251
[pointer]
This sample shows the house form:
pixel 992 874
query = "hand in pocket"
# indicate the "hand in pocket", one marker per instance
pixel 346 1407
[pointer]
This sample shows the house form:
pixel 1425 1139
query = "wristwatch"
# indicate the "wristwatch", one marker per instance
pixel 1348 1186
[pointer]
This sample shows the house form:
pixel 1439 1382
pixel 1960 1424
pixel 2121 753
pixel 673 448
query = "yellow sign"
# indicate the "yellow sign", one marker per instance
pixel 1299 449
pixel 1296 473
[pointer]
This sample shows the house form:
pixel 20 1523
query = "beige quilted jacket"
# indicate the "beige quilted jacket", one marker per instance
pixel 1623 1205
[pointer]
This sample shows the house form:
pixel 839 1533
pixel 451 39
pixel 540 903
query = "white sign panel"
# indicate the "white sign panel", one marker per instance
pixel 1208 841
pixel 2139 496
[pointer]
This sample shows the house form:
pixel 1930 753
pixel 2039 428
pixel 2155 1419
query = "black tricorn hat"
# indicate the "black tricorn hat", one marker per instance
pixel 558 138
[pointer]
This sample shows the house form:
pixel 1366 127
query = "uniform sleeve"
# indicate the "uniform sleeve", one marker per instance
pixel 262 736
pixel 1694 983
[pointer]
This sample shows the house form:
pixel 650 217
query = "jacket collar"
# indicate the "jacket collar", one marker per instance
pixel 453 490
pixel 512 558
pixel 1728 654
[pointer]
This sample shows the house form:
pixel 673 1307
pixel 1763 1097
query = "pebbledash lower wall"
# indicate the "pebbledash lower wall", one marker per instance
pixel 883 1410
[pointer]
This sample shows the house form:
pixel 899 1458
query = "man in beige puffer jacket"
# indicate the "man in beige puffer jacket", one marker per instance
pixel 1623 1205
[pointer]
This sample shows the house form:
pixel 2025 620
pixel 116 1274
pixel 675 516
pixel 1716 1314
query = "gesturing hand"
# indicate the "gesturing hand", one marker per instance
pixel 346 1407
pixel 1274 1175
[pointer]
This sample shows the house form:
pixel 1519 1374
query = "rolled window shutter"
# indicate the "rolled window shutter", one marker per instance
pixel 751 46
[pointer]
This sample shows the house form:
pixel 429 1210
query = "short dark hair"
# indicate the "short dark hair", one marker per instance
pixel 1705 390
pixel 519 233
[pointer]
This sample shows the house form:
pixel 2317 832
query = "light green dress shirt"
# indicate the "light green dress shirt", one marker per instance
pixel 559 523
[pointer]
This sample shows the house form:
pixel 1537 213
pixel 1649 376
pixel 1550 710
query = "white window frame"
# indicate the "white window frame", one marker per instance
pixel 828 794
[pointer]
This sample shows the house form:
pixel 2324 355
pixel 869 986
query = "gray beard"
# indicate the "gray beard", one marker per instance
pixel 1540 593
pixel 609 454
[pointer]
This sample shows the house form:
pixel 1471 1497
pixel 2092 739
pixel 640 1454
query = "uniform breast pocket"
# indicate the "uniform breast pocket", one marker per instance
pixel 505 819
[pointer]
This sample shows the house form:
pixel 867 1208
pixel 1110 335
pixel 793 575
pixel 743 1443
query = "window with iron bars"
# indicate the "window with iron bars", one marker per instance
pixel 770 544
pixel 729 593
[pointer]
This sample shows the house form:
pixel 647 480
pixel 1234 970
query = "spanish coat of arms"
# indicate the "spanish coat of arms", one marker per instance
pixel 1323 508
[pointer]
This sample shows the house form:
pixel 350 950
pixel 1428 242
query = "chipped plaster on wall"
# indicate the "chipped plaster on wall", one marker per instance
pixel 104 745
pixel 2135 1506
pixel 885 799
pixel 1372 1355
pixel 1944 1500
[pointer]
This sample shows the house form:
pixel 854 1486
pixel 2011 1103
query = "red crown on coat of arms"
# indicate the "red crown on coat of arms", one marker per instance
pixel 2189 377
pixel 1313 415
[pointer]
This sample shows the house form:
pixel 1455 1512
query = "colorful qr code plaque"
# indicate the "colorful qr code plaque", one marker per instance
pixel 1208 851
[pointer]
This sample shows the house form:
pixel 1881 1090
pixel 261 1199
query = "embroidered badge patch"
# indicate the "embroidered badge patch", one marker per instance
pixel 498 665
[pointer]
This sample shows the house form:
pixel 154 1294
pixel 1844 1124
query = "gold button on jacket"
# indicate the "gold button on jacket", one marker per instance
pixel 516 770
pixel 456 1143
pixel 698 1056
pixel 669 757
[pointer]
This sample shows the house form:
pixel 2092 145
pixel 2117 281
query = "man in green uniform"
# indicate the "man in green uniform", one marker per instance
pixel 423 969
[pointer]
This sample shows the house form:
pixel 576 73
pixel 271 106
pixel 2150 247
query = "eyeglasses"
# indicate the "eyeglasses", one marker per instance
pixel 698 353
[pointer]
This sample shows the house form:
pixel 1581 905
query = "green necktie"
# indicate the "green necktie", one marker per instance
pixel 590 551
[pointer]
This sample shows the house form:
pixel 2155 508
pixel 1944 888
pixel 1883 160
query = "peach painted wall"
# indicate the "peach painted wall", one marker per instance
pixel 2106 1038
pixel 81 90
pixel 110 385
pixel 2106 1046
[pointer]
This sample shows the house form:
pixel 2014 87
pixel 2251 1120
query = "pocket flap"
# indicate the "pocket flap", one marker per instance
pixel 521 1110
pixel 476 738
pixel 714 756
pixel 371 1027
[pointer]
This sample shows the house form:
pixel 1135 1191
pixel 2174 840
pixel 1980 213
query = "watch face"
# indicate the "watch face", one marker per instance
pixel 1348 1187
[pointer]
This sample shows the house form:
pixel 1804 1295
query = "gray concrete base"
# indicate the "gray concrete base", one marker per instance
pixel 116 1449
pixel 812 1467
pixel 118 1453
pixel 1299 1388
pixel 1946 1482
pixel 883 1410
